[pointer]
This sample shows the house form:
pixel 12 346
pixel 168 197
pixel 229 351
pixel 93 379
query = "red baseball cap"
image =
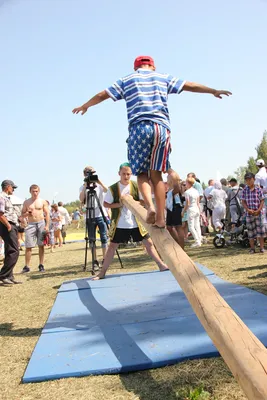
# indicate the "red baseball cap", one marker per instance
pixel 141 60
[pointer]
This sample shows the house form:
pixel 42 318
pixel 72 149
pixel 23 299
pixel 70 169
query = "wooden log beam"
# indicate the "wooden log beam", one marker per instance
pixel 244 354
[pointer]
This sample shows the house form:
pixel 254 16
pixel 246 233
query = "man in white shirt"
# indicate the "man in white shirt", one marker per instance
pixel 100 189
pixel 209 188
pixel 65 219
pixel 261 174
pixel 123 222
pixel 261 180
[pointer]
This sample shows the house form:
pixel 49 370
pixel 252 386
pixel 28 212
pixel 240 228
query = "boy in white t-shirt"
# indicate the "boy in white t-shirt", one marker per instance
pixel 123 223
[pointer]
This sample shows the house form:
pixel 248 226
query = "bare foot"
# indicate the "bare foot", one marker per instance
pixel 98 277
pixel 159 223
pixel 151 215
pixel 163 268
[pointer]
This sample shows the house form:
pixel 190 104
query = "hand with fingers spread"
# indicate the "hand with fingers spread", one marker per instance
pixel 81 110
pixel 199 88
pixel 220 93
pixel 98 98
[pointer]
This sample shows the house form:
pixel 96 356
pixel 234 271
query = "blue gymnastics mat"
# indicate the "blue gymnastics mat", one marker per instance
pixel 131 322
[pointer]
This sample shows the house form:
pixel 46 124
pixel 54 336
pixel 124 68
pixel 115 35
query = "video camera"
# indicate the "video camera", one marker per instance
pixel 90 177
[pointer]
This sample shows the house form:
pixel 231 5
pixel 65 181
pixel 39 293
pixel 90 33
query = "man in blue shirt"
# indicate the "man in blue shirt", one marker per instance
pixel 145 92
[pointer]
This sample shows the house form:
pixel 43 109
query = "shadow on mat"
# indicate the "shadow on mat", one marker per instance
pixel 6 330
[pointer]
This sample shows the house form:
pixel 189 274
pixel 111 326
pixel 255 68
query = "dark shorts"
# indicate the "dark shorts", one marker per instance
pixel 174 217
pixel 124 235
pixel 21 230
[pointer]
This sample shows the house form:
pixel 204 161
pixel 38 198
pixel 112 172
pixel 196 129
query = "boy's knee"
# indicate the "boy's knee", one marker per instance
pixel 113 246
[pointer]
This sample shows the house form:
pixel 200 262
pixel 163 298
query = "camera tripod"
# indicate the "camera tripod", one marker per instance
pixel 90 225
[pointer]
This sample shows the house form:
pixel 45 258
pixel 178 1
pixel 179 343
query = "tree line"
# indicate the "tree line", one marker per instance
pixel 261 151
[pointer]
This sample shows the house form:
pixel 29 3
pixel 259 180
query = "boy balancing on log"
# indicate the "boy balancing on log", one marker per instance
pixel 123 223
pixel 145 92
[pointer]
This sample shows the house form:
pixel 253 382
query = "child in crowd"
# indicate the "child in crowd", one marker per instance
pixel 253 201
pixel 57 224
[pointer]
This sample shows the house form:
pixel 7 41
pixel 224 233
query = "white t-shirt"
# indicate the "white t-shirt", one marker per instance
pixel 261 174
pixel 127 219
pixel 192 195
pixel 99 192
pixel 65 218
pixel 208 190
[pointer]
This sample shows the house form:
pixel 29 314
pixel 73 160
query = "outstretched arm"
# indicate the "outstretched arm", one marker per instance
pixel 198 88
pixel 98 98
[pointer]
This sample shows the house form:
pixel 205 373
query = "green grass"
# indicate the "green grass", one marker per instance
pixel 25 309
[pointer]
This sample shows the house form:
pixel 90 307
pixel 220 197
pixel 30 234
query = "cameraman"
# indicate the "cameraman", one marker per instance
pixel 99 188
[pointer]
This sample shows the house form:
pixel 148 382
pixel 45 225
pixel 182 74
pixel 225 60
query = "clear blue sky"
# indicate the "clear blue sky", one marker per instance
pixel 56 54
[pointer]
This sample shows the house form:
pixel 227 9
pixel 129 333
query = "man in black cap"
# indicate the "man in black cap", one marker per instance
pixel 9 232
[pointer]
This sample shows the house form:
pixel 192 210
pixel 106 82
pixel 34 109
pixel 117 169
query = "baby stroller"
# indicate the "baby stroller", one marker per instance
pixel 239 235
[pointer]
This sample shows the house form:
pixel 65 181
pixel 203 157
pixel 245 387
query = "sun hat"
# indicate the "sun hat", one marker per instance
pixel 260 162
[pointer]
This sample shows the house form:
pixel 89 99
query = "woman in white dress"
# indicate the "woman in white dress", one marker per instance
pixel 193 211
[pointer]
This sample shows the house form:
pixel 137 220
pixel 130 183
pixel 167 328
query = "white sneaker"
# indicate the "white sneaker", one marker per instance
pixel 195 245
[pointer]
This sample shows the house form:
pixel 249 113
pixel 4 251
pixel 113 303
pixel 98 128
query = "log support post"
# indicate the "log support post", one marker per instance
pixel 242 351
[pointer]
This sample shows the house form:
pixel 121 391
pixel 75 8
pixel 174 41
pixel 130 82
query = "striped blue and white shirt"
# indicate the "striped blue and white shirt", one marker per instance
pixel 146 94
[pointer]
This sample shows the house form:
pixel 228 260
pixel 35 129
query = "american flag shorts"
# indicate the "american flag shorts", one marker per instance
pixel 149 147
